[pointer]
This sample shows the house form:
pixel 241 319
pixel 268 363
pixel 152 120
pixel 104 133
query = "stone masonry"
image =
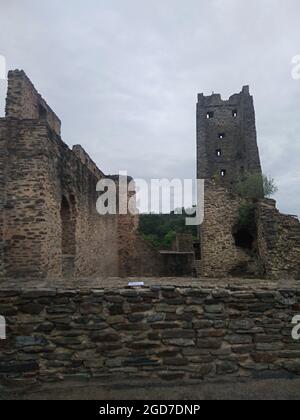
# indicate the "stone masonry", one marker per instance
pixel 275 252
pixel 279 241
pixel 220 255
pixel 49 226
pixel 75 320
pixel 226 137
pixel 157 332
pixel 226 150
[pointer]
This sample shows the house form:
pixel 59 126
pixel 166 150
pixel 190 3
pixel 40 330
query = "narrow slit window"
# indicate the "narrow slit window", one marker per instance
pixel 234 113
pixel 210 115
pixel 223 173
pixel 219 152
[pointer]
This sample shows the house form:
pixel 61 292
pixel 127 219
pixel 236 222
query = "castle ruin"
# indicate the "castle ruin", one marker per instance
pixel 50 228
pixel 49 225
pixel 71 322
pixel 227 150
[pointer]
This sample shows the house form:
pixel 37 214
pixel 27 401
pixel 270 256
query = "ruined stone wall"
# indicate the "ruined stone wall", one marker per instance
pixel 148 261
pixel 24 102
pixel 3 156
pixel 136 256
pixel 96 236
pixel 278 241
pixel 220 255
pixel 227 140
pixel 39 173
pixel 23 204
pixel 275 251
pixel 183 243
pixel 227 144
pixel 49 226
pixel 87 161
pixel 181 264
pixel 158 332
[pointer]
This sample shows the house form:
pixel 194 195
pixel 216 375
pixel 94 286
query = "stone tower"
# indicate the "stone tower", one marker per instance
pixel 226 137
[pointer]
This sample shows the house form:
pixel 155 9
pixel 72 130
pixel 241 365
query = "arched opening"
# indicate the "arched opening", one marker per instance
pixel 243 239
pixel 68 243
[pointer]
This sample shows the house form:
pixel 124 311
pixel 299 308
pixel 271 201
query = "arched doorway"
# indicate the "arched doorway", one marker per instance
pixel 68 239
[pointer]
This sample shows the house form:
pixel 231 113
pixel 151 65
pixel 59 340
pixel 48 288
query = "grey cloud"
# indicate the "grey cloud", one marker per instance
pixel 124 75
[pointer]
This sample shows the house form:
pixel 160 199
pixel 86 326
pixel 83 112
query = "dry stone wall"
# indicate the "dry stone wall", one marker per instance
pixel 279 241
pixel 157 332
pixel 95 236
pixel 220 255
pixel 40 171
pixel 22 200
pixel 49 225
pixel 24 102
pixel 3 156
pixel 275 252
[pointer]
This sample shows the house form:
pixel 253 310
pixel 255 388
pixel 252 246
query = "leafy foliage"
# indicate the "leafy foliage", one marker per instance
pixel 255 186
pixel 270 187
pixel 160 229
pixel 246 218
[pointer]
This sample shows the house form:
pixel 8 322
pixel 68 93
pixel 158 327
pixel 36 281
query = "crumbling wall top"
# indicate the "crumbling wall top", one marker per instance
pixel 216 100
pixel 87 161
pixel 24 102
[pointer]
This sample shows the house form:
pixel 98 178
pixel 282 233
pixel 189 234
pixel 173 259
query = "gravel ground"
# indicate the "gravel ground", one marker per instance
pixel 263 389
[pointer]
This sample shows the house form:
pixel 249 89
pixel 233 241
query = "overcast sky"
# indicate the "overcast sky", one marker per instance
pixel 123 76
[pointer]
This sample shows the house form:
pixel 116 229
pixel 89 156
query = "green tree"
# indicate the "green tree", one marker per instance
pixel 169 238
pixel 256 186
pixel 270 187
pixel 160 229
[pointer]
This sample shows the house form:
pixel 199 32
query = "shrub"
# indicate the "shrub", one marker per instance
pixel 255 186
pixel 160 229
pixel 270 188
pixel 246 217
